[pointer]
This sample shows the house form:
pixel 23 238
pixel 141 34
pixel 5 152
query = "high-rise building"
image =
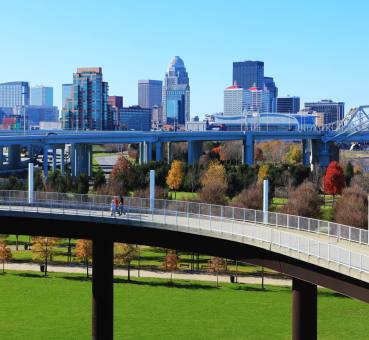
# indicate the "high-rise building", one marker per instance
pixel 256 100
pixel 149 93
pixel 135 118
pixel 90 109
pixel 66 93
pixel 288 104
pixel 270 86
pixel 14 94
pixel 156 116
pixel 331 111
pixel 249 73
pixel 234 100
pixel 176 93
pixel 115 105
pixel 42 96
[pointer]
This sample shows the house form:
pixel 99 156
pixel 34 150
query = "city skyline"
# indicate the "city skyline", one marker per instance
pixel 313 69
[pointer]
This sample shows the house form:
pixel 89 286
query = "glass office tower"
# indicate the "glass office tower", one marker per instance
pixel 14 94
pixel 89 101
pixel 249 73
pixel 176 93
pixel 149 93
pixel 42 96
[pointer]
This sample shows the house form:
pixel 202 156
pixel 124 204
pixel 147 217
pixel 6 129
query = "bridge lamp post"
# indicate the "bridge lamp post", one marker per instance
pixel 265 200
pixel 152 190
pixel 30 182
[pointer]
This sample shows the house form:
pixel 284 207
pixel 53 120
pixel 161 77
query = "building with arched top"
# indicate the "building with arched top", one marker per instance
pixel 176 93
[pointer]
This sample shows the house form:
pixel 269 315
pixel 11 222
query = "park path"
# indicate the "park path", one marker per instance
pixel 76 269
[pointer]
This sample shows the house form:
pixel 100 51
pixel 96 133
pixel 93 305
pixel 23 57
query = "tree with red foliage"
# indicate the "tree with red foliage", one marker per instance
pixel 334 179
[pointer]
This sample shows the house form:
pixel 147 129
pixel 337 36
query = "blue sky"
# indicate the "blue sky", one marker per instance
pixel 313 49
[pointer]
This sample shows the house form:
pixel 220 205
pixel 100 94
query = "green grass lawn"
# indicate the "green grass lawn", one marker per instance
pixel 151 258
pixel 182 195
pixel 59 307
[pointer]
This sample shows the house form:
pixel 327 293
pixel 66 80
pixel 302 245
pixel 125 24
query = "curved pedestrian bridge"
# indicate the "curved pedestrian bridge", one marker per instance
pixel 341 248
pixel 312 252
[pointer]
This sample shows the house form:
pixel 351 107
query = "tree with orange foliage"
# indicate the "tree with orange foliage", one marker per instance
pixel 84 252
pixel 334 179
pixel 214 184
pixel 122 176
pixel 43 249
pixel 175 176
pixel 170 263
pixel 216 265
pixel 5 253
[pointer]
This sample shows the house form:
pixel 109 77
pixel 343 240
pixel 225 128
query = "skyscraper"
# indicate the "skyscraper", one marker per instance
pixel 66 93
pixel 331 111
pixel 288 104
pixel 234 100
pixel 135 118
pixel 270 86
pixel 176 93
pixel 14 94
pixel 115 105
pixel 42 96
pixel 89 101
pixel 149 93
pixel 256 100
pixel 249 73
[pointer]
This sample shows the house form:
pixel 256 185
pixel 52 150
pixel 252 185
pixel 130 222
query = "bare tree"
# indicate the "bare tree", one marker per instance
pixel 352 208
pixel 304 201
pixel 251 198
pixel 362 181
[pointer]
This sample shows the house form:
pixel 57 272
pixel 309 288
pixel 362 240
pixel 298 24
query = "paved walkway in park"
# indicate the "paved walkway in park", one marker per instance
pixel 151 274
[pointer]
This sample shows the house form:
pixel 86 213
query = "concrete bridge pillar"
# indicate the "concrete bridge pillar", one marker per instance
pixel 304 310
pixel 149 151
pixel 248 150
pixel 14 156
pixel 102 289
pixel 142 153
pixel 81 159
pixel 324 153
pixel 62 160
pixel 45 161
pixel 169 152
pixel 158 151
pixel 54 158
pixel 307 152
pixel 1 156
pixel 194 151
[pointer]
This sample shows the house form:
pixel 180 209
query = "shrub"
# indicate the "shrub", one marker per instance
pixel 352 208
pixel 304 201
pixel 251 198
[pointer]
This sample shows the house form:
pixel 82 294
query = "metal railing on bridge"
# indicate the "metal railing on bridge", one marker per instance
pixel 206 219
pixel 102 202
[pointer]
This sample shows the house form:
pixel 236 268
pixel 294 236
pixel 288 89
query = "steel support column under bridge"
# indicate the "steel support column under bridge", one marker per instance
pixel 304 310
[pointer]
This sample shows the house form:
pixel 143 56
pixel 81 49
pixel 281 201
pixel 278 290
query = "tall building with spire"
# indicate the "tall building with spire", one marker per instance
pixel 176 93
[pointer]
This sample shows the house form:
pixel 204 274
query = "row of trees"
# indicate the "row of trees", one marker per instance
pixel 43 249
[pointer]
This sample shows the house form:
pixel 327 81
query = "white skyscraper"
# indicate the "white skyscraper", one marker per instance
pixel 234 100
